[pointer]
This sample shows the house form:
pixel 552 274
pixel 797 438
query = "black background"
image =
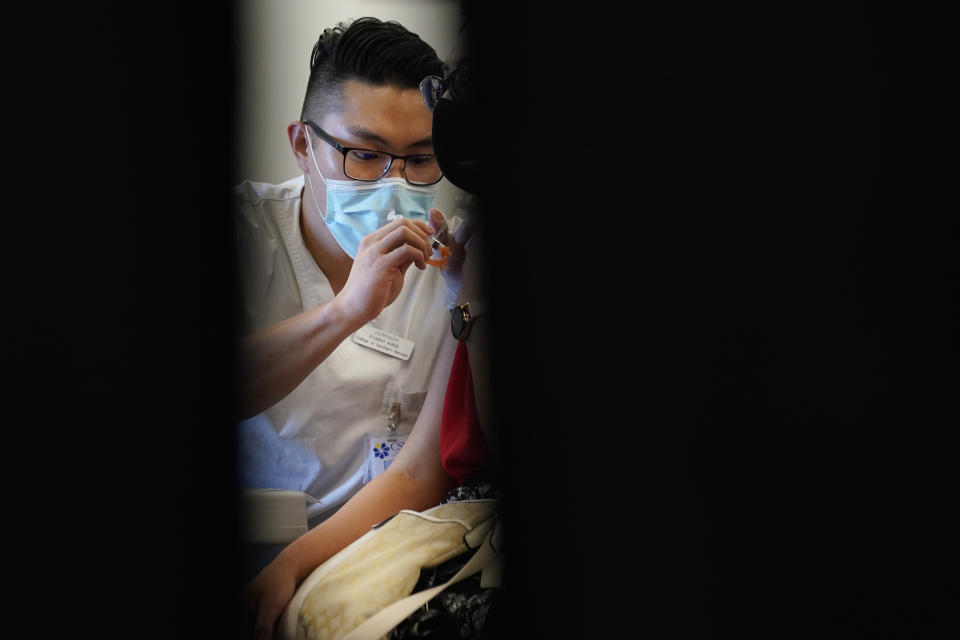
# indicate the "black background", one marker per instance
pixel 724 329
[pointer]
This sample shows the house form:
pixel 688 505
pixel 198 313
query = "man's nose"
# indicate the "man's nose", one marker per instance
pixel 396 169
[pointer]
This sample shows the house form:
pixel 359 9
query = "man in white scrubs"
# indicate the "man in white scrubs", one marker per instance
pixel 342 314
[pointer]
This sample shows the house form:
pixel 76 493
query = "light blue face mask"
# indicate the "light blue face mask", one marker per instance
pixel 356 209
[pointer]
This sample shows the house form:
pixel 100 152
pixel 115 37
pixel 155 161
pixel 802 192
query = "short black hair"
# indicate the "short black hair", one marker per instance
pixel 369 50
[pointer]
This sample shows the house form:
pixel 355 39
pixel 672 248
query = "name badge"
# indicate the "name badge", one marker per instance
pixel 381 451
pixel 384 342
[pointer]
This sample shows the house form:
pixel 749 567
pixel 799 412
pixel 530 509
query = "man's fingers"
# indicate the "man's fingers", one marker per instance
pixel 402 256
pixel 404 235
pixel 419 227
pixel 427 228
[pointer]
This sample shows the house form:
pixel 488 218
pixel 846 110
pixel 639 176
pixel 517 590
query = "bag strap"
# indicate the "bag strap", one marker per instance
pixel 382 622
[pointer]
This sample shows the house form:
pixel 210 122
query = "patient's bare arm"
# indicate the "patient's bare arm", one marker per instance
pixel 415 480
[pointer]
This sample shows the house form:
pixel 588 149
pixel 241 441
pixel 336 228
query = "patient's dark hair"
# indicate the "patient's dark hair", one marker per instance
pixel 368 50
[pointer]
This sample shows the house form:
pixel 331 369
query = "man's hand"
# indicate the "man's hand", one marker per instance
pixel 383 258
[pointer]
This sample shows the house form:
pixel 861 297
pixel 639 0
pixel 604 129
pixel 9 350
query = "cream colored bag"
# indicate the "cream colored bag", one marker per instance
pixel 363 591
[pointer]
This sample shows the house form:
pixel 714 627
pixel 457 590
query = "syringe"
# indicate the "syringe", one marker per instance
pixel 444 250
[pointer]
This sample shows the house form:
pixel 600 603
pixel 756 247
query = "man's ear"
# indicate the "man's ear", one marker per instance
pixel 296 134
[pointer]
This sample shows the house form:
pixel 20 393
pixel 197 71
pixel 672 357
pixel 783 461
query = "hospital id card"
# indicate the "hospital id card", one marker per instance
pixel 380 452
pixel 384 342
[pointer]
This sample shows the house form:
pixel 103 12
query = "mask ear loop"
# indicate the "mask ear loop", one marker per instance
pixel 323 214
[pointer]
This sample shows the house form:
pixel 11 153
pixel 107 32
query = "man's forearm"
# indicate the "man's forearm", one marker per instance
pixel 277 359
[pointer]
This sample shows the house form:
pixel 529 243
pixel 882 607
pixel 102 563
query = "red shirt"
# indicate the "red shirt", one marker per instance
pixel 463 449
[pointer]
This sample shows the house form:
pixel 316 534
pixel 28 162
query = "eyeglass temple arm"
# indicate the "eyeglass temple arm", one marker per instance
pixel 324 136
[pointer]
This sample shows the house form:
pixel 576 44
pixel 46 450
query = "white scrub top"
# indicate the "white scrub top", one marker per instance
pixel 312 440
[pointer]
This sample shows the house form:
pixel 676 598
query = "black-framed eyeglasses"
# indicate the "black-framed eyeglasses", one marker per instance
pixel 459 83
pixel 369 165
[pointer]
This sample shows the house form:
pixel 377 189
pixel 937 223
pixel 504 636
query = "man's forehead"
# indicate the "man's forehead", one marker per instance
pixel 386 115
pixel 363 96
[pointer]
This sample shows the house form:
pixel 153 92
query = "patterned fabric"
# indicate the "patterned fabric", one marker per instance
pixel 478 490
pixel 465 610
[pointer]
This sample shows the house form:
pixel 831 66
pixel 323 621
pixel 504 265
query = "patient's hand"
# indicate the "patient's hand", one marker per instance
pixel 268 595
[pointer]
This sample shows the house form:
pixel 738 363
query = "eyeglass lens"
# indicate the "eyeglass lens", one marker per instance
pixel 367 164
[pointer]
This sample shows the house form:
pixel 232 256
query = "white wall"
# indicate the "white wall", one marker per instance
pixel 274 41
